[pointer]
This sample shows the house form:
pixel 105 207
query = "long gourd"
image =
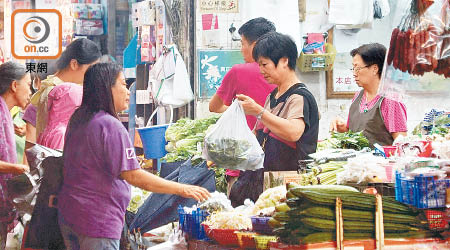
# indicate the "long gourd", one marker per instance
pixel 349 200
pixel 356 215
pixel 354 226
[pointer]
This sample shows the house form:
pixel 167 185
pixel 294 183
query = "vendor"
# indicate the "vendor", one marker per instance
pixel 288 124
pixel 381 119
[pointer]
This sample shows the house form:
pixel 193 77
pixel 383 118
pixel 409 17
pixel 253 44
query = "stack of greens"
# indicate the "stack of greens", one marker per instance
pixel 184 138
pixel 308 216
pixel 184 141
pixel 346 140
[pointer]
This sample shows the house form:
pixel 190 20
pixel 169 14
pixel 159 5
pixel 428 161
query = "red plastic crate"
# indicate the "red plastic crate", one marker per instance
pixel 225 237
pixel 436 219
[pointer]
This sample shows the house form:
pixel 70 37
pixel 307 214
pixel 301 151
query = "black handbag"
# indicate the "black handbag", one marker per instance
pixel 43 230
pixel 249 185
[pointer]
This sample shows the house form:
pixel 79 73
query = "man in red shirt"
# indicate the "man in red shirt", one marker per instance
pixel 244 78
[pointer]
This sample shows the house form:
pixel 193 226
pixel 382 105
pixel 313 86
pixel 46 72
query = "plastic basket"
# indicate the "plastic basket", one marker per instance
pixel 260 224
pixel 262 241
pixel 422 191
pixel 436 219
pixel 191 223
pixel 225 237
pixel 317 62
pixel 246 240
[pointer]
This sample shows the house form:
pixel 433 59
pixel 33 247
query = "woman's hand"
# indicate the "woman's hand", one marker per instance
pixel 195 192
pixel 20 169
pixel 338 125
pixel 249 105
pixel 20 130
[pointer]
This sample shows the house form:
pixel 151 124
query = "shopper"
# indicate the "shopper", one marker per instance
pixel 381 119
pixel 288 124
pixel 244 78
pixel 14 91
pixel 71 66
pixel 30 112
pixel 100 163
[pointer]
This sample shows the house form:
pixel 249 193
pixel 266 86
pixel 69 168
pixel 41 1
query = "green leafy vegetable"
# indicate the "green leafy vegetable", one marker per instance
pixel 350 140
pixel 227 152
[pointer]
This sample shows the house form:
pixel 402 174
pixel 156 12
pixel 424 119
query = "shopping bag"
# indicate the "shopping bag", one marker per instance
pixel 231 144
pixel 169 80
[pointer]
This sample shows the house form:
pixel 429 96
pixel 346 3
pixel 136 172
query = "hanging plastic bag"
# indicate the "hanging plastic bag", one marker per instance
pixel 169 80
pixel 419 44
pixel 381 8
pixel 231 144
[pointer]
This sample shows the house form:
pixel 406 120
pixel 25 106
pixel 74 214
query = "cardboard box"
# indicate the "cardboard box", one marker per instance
pixel 274 179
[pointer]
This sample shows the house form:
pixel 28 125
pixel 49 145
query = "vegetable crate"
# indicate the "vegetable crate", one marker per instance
pixel 437 220
pixel 225 237
pixel 262 241
pixel 191 223
pixel 317 62
pixel 260 224
pixel 422 191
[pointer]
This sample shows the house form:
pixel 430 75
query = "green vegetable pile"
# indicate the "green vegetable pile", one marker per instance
pixel 184 139
pixel 350 140
pixel 227 152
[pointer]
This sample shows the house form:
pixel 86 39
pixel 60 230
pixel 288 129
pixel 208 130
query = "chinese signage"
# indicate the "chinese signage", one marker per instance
pixel 218 6
pixel 212 67
pixel 343 79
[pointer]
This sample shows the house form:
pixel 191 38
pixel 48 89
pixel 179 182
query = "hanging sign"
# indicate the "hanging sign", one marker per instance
pixel 222 6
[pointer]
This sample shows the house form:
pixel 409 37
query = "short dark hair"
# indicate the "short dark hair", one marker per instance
pixel 275 46
pixel 97 94
pixel 255 28
pixel 83 50
pixel 372 53
pixel 9 72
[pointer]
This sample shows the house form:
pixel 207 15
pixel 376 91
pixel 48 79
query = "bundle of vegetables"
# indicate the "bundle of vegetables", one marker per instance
pixel 138 196
pixel 229 220
pixel 350 140
pixel 308 216
pixel 184 138
pixel 269 199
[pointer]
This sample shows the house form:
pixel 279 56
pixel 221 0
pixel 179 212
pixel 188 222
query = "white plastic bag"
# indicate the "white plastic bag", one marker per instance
pixel 176 242
pixel 231 144
pixel 169 80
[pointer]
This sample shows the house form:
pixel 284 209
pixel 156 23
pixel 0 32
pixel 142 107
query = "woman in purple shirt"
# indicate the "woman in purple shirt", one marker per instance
pixel 14 91
pixel 100 163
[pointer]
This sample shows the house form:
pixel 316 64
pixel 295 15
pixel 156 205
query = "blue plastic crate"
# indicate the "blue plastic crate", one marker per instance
pixel 191 223
pixel 422 192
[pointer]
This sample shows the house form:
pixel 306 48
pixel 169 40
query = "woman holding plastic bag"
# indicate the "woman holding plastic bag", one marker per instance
pixel 288 124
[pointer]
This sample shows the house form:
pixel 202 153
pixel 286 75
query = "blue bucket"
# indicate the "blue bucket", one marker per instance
pixel 154 141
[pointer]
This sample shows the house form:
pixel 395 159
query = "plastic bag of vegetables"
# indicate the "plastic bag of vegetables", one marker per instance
pixel 231 144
